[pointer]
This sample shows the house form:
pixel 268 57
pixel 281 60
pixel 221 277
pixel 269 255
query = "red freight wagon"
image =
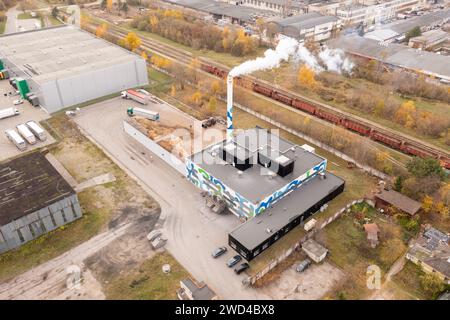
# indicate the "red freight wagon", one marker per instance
pixel 303 106
pixel 282 98
pixel 355 126
pixel 263 90
pixel 328 116
pixel 393 142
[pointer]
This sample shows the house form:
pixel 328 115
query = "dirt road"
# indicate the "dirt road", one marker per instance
pixel 49 280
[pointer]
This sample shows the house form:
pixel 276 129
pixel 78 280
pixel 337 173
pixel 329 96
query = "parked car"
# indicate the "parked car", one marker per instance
pixel 233 261
pixel 302 266
pixel 218 252
pixel 18 101
pixel 244 266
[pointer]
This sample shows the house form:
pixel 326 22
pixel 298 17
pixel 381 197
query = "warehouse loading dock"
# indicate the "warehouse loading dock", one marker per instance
pixel 65 66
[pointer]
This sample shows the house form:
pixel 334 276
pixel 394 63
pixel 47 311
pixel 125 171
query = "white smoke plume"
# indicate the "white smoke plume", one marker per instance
pixel 272 58
pixel 332 59
pixel 335 60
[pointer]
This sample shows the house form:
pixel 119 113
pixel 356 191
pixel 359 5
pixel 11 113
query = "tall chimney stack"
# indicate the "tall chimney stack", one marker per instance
pixel 229 107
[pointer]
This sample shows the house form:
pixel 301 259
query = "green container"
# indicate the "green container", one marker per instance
pixel 22 85
pixel 1 65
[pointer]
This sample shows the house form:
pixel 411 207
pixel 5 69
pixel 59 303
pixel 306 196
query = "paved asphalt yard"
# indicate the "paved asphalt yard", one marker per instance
pixel 192 230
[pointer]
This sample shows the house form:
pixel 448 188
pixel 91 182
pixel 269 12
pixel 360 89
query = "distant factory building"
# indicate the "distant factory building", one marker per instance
pixel 307 27
pixel 372 12
pixel 63 66
pixel 279 6
pixel 396 31
pixel 268 181
pixel 233 12
pixel 429 39
pixel 34 199
pixel 396 56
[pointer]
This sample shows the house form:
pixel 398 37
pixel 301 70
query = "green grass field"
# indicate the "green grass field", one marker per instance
pixel 2 26
pixel 148 281
pixel 24 15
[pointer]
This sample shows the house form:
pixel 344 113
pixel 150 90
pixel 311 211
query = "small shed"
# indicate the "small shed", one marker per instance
pixel 314 250
pixel 372 231
pixel 388 197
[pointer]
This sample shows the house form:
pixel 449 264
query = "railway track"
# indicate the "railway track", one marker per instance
pixel 395 140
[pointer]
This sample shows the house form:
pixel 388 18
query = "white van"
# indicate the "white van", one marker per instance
pixel 15 138
pixel 26 133
pixel 36 130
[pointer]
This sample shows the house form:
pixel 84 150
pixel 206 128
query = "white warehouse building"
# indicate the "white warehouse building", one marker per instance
pixel 65 66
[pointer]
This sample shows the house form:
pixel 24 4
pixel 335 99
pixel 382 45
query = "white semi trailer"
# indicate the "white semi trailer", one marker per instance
pixel 15 138
pixel 26 133
pixel 135 95
pixel 9 112
pixel 148 114
pixel 36 130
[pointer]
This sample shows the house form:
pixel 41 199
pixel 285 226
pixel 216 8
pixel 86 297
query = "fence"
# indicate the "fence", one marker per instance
pixel 151 145
pixel 272 264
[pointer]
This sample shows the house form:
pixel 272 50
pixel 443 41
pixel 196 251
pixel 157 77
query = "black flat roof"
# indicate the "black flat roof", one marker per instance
pixel 255 231
pixel 27 184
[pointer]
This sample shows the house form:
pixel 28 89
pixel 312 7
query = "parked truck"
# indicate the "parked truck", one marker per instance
pixel 135 95
pixel 26 133
pixel 15 138
pixel 9 112
pixel 148 114
pixel 36 130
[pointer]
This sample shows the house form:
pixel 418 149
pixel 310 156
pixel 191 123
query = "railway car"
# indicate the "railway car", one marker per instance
pixel 282 98
pixel 357 127
pixel 304 106
pixel 263 90
pixel 336 119
pixel 417 151
pixel 390 141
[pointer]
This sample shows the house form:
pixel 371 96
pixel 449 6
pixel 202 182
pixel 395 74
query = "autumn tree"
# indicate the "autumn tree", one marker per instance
pixel 196 97
pixel 101 30
pixel 215 87
pixel 173 90
pixel 432 284
pixel 306 78
pixel 427 204
pixel 131 41
pixel 109 5
pixel 405 115
pixel 212 104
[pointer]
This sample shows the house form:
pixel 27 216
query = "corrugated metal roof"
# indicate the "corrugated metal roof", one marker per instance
pixel 404 26
pixel 395 54
pixel 304 21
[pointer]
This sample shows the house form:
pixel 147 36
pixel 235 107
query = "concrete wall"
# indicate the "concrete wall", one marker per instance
pixel 33 225
pixel 65 92
pixel 155 148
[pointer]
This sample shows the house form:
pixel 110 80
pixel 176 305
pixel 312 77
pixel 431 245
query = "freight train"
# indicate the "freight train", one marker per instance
pixel 326 113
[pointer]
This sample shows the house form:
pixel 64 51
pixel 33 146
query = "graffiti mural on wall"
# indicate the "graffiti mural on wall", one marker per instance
pixel 203 180
pixel 277 195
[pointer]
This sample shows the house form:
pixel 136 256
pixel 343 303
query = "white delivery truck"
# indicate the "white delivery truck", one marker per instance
pixel 15 138
pixel 36 130
pixel 9 112
pixel 148 114
pixel 26 133
pixel 134 95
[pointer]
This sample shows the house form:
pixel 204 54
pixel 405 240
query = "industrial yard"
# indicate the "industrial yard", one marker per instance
pixel 189 150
